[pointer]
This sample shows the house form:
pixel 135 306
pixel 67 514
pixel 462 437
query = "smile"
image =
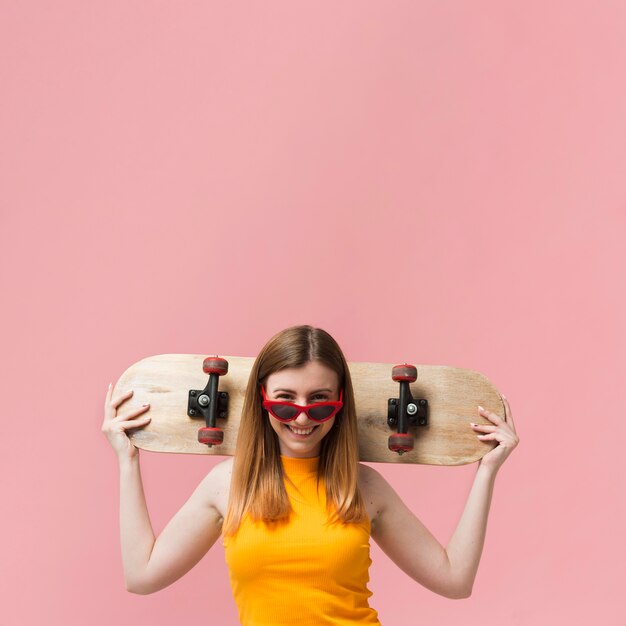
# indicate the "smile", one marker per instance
pixel 301 431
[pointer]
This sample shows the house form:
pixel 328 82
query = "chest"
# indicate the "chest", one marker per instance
pixel 309 544
pixel 368 492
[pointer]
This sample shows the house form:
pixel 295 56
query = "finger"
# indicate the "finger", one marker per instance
pixel 136 423
pixel 119 400
pixel 508 413
pixel 490 415
pixel 109 410
pixel 107 397
pixel 494 436
pixel 127 416
pixel 505 440
pixel 485 428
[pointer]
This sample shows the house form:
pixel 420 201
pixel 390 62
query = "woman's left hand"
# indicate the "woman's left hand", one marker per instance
pixel 501 430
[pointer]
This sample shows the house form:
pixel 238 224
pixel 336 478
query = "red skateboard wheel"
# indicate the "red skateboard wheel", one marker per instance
pixel 404 372
pixel 215 365
pixel 211 436
pixel 401 442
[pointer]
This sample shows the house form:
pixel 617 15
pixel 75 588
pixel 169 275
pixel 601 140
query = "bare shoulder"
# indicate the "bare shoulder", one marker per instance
pixel 223 469
pixel 367 475
pixel 374 491
pixel 369 478
pixel 215 486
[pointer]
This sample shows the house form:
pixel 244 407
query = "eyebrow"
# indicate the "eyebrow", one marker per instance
pixel 294 393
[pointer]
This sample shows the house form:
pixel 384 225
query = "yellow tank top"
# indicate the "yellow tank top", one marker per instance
pixel 303 572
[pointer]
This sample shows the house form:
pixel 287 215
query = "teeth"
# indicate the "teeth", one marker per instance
pixel 301 431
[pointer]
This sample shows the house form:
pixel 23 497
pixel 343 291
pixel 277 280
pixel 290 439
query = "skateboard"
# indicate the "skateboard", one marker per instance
pixel 405 413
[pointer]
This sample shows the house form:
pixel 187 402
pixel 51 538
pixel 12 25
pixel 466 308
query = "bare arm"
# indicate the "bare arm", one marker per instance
pixel 136 534
pixel 153 563
pixel 449 571
pixel 409 544
pixel 466 545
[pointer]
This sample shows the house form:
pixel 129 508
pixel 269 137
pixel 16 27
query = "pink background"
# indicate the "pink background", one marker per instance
pixel 438 182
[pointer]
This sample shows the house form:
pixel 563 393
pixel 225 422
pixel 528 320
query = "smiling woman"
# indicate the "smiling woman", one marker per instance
pixel 295 505
pixel 299 422
pixel 295 510
pixel 297 362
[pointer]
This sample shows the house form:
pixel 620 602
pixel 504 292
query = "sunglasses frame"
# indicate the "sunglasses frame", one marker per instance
pixel 268 404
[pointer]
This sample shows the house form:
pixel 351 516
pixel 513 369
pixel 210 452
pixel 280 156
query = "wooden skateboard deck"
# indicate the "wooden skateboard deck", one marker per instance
pixel 452 397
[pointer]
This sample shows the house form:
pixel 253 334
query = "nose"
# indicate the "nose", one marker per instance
pixel 302 419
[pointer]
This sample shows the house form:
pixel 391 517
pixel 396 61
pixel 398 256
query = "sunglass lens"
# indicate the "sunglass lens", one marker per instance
pixel 320 412
pixel 283 412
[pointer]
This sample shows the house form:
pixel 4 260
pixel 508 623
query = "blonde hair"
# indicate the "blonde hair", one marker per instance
pixel 257 485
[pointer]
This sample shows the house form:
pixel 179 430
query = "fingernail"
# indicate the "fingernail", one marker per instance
pixel 146 404
pixel 480 407
pixel 504 396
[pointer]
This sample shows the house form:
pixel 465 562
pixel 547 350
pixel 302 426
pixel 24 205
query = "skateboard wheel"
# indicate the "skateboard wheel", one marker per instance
pixel 215 365
pixel 404 372
pixel 211 436
pixel 401 443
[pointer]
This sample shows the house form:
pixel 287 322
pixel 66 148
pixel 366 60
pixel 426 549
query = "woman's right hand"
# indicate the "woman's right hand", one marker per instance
pixel 115 425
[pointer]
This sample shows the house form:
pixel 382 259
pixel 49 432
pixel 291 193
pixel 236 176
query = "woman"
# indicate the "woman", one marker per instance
pixel 294 506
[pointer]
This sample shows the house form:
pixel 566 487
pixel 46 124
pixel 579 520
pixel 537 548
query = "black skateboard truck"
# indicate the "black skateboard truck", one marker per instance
pixel 405 411
pixel 209 403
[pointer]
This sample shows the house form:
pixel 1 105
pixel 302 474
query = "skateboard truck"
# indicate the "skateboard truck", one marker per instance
pixel 406 411
pixel 208 403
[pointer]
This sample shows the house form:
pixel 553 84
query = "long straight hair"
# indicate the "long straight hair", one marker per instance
pixel 257 486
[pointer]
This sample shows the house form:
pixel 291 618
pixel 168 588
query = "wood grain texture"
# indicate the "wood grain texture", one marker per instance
pixel 453 395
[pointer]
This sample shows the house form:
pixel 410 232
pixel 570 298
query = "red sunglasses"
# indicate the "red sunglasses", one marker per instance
pixel 288 411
